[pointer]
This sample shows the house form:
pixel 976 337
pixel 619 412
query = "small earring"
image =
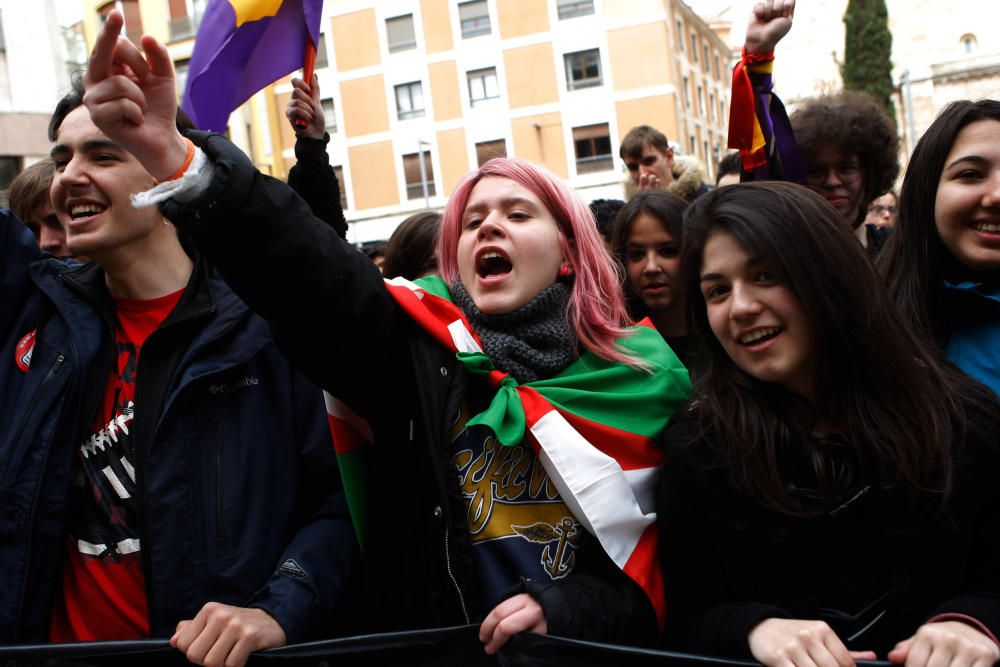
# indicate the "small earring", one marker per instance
pixel 565 271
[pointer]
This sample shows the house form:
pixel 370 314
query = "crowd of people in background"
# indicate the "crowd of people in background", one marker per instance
pixel 757 419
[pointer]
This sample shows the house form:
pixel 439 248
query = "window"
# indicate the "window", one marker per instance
pixel 711 105
pixel 694 47
pixel 593 148
pixel 185 16
pixel 583 69
pixel 717 74
pixel 410 100
pixel 248 132
pixel 329 114
pixel 483 85
pixel 687 93
pixel 399 33
pixel 694 145
pixel 487 150
pixel 704 60
pixel 411 171
pixel 339 173
pixel 10 167
pixel 968 42
pixel 104 10
pixel 701 100
pixel 680 34
pixel 180 77
pixel 474 18
pixel 571 8
pixel 130 12
pixel 722 111
pixel 322 59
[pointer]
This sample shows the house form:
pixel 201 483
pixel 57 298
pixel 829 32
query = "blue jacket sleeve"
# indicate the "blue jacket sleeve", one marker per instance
pixel 310 589
pixel 19 250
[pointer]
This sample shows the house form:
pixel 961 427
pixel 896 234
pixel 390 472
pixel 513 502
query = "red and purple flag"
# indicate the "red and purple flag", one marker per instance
pixel 242 46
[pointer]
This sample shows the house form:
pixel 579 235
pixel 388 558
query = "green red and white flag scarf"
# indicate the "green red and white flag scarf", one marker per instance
pixel 595 426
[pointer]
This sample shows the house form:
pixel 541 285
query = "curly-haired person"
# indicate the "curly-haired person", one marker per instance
pixel 849 147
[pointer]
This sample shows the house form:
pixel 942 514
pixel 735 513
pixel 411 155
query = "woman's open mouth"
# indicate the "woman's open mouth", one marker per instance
pixel 493 263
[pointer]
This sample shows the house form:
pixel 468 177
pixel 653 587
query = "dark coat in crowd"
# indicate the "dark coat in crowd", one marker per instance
pixel 871 564
pixel 314 180
pixel 237 482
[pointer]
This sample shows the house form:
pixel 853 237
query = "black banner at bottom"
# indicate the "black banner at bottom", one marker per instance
pixel 442 646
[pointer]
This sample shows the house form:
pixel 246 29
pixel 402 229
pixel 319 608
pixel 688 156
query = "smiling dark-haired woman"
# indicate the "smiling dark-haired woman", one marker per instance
pixel 833 486
pixel 943 264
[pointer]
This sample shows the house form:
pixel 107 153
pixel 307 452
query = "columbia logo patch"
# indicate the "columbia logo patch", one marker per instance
pixel 224 389
pixel 22 353
pixel 292 569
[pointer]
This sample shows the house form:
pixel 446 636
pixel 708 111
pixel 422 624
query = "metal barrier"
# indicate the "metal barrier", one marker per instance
pixel 443 646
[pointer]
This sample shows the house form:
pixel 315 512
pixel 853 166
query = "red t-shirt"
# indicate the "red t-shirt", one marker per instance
pixel 103 590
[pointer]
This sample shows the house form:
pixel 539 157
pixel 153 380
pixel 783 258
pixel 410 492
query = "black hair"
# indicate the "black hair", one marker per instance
pixel 900 409
pixel 410 252
pixel 668 209
pixel 854 122
pixel 638 137
pixel 915 263
pixel 74 99
pixel 731 163
pixel 604 211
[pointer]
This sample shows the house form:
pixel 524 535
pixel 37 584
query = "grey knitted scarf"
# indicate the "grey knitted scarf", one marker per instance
pixel 533 342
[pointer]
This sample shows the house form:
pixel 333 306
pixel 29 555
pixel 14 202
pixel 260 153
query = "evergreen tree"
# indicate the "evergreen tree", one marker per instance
pixel 868 51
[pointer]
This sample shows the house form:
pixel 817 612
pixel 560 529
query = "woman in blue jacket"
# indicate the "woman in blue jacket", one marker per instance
pixel 942 264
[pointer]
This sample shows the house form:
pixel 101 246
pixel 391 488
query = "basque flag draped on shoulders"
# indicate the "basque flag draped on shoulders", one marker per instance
pixel 242 46
pixel 595 427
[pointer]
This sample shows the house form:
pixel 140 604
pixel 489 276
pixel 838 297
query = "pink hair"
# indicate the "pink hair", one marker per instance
pixel 596 308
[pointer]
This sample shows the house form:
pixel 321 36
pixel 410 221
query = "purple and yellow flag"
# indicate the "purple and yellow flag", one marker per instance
pixel 242 46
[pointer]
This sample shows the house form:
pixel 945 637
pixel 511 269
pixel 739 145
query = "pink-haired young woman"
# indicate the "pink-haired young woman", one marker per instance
pixel 498 426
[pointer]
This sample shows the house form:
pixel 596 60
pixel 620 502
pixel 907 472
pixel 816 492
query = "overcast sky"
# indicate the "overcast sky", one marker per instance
pixel 69 11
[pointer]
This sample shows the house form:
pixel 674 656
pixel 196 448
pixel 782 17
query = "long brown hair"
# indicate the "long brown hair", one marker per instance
pixel 410 251
pixel 899 408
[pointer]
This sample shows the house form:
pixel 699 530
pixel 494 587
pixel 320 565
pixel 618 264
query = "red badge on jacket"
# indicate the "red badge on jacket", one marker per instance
pixel 22 353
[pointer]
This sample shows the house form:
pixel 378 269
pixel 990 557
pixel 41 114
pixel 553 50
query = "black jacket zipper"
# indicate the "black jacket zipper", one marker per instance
pixel 31 408
pixel 218 478
pixel 34 503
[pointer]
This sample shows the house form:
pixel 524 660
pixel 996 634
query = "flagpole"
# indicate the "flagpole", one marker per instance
pixel 308 68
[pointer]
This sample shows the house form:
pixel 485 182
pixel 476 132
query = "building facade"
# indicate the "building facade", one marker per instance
pixel 33 74
pixel 418 92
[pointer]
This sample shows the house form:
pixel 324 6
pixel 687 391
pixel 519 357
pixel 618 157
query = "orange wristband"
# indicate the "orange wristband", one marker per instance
pixel 183 168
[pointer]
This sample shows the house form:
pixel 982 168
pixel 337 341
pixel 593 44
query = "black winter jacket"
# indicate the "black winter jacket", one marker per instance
pixel 238 487
pixel 872 566
pixel 314 180
pixel 331 313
